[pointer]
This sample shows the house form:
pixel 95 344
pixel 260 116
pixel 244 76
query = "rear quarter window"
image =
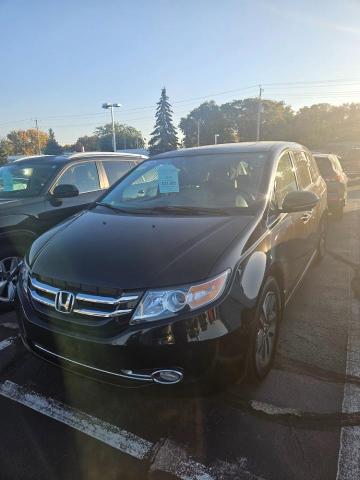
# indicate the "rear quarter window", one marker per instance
pixel 313 167
pixel 302 169
pixel 337 164
pixel 115 170
pixel 285 180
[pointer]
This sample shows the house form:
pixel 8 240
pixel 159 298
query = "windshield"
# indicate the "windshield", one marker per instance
pixel 229 182
pixel 18 181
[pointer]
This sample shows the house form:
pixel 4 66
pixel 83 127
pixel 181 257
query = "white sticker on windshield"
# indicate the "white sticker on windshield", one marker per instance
pixel 168 179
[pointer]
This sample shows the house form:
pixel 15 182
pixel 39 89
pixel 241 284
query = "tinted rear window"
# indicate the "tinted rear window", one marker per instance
pixel 325 166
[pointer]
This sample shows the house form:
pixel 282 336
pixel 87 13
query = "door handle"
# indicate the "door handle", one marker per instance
pixel 305 217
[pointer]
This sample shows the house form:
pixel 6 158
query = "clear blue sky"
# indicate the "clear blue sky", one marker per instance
pixel 63 58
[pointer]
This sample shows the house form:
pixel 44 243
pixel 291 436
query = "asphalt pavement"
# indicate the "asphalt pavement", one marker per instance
pixel 300 423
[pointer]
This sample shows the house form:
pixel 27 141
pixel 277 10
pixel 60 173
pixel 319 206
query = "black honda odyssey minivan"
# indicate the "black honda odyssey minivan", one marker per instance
pixel 182 270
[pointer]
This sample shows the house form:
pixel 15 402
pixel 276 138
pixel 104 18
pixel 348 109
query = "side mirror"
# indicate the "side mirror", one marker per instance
pixel 65 191
pixel 299 201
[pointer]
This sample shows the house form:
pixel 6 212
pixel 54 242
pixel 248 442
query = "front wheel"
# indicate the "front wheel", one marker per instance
pixel 9 266
pixel 265 331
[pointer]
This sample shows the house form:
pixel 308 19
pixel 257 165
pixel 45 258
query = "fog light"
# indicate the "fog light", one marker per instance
pixel 167 376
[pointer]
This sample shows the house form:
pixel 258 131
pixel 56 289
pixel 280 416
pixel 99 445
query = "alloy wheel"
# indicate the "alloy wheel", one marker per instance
pixel 8 274
pixel 266 334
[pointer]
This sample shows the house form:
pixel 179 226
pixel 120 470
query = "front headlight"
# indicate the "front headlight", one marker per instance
pixel 159 304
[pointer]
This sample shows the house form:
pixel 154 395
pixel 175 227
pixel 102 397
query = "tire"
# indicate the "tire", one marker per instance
pixel 338 212
pixel 321 248
pixel 265 331
pixel 9 262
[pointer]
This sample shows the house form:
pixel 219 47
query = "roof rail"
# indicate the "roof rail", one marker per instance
pixel 28 157
pixel 108 154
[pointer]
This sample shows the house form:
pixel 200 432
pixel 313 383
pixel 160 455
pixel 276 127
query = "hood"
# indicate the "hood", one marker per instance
pixel 136 251
pixel 6 203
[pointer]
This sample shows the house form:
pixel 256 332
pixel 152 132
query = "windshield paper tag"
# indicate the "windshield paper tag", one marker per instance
pixel 168 179
pixel 8 182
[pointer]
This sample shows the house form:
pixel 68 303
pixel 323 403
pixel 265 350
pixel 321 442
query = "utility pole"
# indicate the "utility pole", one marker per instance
pixel 38 136
pixel 259 114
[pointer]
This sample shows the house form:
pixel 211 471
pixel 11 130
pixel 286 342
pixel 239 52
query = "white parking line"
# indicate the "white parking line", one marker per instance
pixel 92 426
pixel 165 455
pixel 7 342
pixel 349 451
pixel 184 467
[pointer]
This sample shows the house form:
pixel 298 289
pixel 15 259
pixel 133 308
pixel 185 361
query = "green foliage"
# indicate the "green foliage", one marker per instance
pixel 101 140
pixel 5 151
pixel 52 146
pixel 323 124
pixel 276 118
pixel 211 121
pixel 126 137
pixel 163 137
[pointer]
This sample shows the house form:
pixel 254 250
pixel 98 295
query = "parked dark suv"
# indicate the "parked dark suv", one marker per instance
pixel 182 271
pixel 36 193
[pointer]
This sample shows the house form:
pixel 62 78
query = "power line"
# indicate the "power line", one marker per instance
pixel 271 86
pixel 314 83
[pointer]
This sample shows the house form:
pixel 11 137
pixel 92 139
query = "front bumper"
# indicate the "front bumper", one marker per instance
pixel 188 349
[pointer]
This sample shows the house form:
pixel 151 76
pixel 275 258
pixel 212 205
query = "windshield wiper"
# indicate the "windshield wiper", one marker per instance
pixel 128 211
pixel 108 205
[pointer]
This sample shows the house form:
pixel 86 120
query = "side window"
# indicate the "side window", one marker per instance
pixel 115 170
pixel 302 169
pixel 285 180
pixel 83 175
pixel 313 168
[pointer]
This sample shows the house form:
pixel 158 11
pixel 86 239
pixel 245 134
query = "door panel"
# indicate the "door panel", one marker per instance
pixel 307 220
pixel 286 231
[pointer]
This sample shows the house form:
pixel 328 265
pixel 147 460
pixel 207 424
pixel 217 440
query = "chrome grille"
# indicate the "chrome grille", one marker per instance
pixel 86 305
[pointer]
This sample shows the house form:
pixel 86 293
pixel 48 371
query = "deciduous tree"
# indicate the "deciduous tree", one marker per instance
pixel 126 137
pixel 207 120
pixel 5 150
pixel 27 142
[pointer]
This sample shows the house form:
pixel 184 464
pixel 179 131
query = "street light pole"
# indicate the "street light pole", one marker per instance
pixel 216 137
pixel 111 107
pixel 38 136
pixel 113 127
pixel 259 114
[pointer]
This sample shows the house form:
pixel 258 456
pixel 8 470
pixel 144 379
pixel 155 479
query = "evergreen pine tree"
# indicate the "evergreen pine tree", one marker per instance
pixel 164 137
pixel 52 146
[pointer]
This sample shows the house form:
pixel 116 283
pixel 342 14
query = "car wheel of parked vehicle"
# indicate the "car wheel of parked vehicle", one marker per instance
pixel 265 331
pixel 9 265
